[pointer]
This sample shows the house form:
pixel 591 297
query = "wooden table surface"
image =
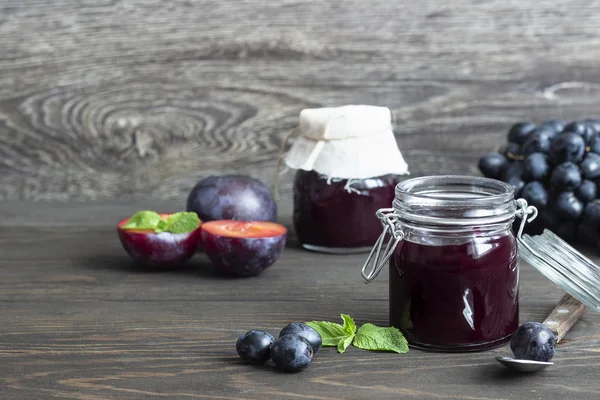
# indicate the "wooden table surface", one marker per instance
pixel 80 322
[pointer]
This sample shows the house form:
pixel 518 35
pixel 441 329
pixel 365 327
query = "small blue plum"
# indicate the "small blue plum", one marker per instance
pixel 255 346
pixel 533 341
pixel 243 248
pixel 291 353
pixel 232 197
pixel 306 332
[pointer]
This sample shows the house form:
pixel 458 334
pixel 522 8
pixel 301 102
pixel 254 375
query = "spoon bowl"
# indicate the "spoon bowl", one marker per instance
pixel 523 365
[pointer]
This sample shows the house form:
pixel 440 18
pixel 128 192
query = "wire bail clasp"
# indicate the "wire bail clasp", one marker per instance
pixel 391 225
pixel 527 214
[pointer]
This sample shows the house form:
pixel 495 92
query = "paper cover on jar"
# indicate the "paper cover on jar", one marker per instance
pixel 349 142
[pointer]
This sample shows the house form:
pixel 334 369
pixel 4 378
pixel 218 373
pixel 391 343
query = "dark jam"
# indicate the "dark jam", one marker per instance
pixel 455 297
pixel 327 215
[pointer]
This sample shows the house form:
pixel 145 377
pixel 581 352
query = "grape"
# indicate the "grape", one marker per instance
pixel 536 167
pixel 594 144
pixel 593 124
pixel 555 167
pixel 590 166
pixel 539 141
pixel 519 132
pixel 587 191
pixel 513 175
pixel 568 206
pixel 535 194
pixel 566 176
pixel 512 151
pixel 492 165
pixel 556 125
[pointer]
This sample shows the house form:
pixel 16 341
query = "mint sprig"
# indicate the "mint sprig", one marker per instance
pixel 180 222
pixel 368 337
pixel 143 220
pixel 333 334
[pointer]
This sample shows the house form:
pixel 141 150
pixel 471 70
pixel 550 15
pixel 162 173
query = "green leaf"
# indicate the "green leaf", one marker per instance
pixel 143 220
pixel 344 343
pixel 349 325
pixel 371 337
pixel 180 222
pixel 331 333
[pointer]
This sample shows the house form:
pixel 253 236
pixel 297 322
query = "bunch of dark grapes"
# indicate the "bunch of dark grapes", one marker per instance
pixel 555 166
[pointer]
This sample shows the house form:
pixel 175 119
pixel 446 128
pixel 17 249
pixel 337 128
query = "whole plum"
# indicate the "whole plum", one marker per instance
pixel 232 197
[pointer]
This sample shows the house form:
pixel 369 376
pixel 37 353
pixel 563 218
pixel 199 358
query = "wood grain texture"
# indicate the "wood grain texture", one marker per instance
pixel 80 322
pixel 137 98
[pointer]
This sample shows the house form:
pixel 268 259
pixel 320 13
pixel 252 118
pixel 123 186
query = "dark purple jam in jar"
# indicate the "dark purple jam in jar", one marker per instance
pixel 454 271
pixel 463 295
pixel 338 216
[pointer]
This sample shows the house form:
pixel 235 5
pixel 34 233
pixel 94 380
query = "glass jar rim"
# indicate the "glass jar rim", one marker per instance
pixel 454 200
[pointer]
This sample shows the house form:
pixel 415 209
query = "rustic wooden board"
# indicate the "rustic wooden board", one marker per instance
pixel 80 322
pixel 137 98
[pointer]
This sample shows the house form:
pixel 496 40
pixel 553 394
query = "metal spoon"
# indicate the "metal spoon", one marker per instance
pixel 560 321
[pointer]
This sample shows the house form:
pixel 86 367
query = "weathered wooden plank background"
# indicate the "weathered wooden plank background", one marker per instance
pixel 132 98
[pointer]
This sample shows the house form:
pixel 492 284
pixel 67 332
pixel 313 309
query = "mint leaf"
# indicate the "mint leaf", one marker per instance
pixel 331 333
pixel 180 222
pixel 349 325
pixel 143 220
pixel 344 343
pixel 371 337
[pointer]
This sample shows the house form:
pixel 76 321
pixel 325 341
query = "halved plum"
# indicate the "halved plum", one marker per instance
pixel 158 250
pixel 243 248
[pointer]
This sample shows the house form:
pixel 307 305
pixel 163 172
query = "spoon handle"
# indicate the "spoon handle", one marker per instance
pixel 564 316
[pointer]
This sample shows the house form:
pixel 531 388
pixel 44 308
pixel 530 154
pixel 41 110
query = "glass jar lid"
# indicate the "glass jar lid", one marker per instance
pixel 562 264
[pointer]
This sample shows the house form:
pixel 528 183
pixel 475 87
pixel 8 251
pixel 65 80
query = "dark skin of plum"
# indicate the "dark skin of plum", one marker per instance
pixel 308 333
pixel 242 256
pixel 254 346
pixel 291 353
pixel 232 197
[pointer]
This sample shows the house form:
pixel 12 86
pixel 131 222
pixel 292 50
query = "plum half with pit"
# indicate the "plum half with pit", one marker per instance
pixel 243 248
pixel 236 197
pixel 159 250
